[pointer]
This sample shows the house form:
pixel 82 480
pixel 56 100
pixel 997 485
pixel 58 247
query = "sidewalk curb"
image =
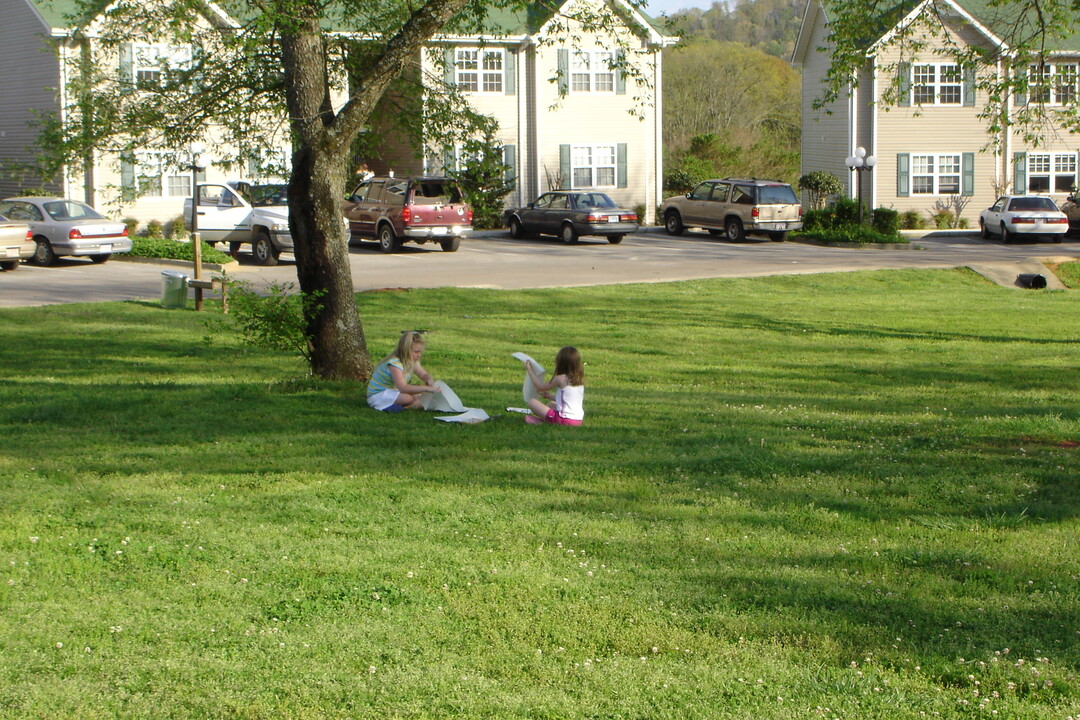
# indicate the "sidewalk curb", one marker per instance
pixel 168 262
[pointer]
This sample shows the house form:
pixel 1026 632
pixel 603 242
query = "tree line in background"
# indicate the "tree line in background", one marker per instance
pixel 732 108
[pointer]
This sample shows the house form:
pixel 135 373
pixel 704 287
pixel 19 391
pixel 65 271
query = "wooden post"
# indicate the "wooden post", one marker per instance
pixel 197 248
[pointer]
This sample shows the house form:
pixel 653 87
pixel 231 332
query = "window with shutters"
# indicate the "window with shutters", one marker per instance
pixel 479 70
pixel 592 166
pixel 1052 84
pixel 154 177
pixel 1051 172
pixel 592 72
pixel 935 174
pixel 937 84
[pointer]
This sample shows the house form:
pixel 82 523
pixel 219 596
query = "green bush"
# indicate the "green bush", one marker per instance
pixel 943 220
pixel 159 247
pixel 885 221
pixel 912 220
pixel 639 208
pixel 845 212
pixel 815 220
pixel 679 181
pixel 175 228
pixel 862 234
pixel 132 225
pixel 820 185
pixel 154 229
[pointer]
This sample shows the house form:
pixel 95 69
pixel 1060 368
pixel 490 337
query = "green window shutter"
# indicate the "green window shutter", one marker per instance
pixel 448 160
pixel 903 76
pixel 564 167
pixel 128 191
pixel 449 75
pixel 620 74
pixel 510 73
pixel 620 164
pixel 127 66
pixel 969 86
pixel 1021 92
pixel 1020 173
pixel 967 185
pixel 903 175
pixel 510 161
pixel 564 71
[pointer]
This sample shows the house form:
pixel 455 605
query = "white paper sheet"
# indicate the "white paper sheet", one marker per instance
pixel 471 417
pixel 445 401
pixel 528 390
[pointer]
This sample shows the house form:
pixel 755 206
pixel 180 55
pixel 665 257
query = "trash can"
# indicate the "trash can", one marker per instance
pixel 1031 281
pixel 173 289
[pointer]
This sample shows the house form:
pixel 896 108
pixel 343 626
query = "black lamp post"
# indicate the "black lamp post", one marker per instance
pixel 859 163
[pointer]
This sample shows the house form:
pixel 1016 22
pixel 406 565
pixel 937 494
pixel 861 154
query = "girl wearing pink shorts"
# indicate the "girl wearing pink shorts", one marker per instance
pixel 568 381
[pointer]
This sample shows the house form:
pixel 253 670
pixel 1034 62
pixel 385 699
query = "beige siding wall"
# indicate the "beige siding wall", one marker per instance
pixel 825 132
pixel 32 80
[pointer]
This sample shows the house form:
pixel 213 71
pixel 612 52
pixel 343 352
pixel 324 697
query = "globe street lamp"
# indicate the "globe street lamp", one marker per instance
pixel 859 163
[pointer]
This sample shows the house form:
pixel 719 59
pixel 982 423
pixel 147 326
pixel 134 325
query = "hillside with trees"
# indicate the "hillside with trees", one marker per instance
pixel 732 107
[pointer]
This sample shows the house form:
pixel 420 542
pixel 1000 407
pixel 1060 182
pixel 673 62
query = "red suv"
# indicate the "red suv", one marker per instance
pixel 396 210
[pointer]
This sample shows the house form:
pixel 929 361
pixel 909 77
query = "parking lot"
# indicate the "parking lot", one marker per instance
pixel 493 260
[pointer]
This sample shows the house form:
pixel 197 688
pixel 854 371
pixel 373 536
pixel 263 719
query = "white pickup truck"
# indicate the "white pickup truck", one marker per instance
pixel 240 213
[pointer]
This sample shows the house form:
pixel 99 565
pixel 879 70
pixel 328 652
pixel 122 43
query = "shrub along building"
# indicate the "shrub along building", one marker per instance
pixel 922 106
pixel 572 107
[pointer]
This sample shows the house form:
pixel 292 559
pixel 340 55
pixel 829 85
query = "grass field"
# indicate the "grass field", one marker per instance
pixel 841 496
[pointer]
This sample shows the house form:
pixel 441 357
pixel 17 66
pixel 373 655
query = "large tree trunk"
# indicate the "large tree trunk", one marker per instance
pixel 338 347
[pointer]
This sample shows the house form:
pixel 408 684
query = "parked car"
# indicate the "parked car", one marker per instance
pixel 239 213
pixel 395 210
pixel 570 214
pixel 1071 208
pixel 16 243
pixel 1027 215
pixel 67 227
pixel 735 207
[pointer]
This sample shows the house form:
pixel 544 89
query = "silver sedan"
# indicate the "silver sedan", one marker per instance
pixel 16 243
pixel 67 227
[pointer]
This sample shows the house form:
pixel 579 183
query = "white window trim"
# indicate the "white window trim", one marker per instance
pixel 1051 88
pixel 936 174
pixel 484 76
pixel 937 84
pixel 149 165
pixel 148 58
pixel 592 66
pixel 594 166
pixel 1051 173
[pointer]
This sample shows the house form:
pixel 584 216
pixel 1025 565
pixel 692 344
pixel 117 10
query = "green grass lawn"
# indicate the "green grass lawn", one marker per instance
pixel 841 496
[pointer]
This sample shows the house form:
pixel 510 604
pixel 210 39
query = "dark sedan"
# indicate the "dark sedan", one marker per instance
pixel 570 214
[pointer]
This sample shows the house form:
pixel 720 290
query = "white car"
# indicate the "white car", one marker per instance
pixel 1023 215
pixel 67 227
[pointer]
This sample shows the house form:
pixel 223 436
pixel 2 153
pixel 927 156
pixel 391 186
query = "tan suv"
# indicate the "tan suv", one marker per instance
pixel 735 207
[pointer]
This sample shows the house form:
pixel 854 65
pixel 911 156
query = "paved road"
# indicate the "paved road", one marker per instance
pixel 493 260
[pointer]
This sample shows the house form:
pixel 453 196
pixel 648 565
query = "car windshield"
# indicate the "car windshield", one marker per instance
pixel 71 210
pixel 435 192
pixel 1032 203
pixel 267 195
pixel 594 200
pixel 776 195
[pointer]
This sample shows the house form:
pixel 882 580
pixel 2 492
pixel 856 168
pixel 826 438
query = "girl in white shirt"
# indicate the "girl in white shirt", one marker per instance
pixel 568 381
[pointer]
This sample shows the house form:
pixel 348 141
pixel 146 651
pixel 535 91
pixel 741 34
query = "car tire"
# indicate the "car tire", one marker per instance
pixel 451 245
pixel 100 259
pixel 9 265
pixel 983 232
pixel 673 223
pixel 43 252
pixel 568 234
pixel 388 239
pixel 733 229
pixel 263 250
pixel 779 236
pixel 1058 238
pixel 1006 237
pixel 516 229
pixel 615 239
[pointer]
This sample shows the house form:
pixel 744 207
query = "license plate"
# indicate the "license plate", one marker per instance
pixel 438 231
pixel 106 248
pixel 781 226
pixel 11 252
pixel 612 218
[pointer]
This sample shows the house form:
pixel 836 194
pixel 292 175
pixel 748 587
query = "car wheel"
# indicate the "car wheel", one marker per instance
pixel 778 236
pixel 9 265
pixel 615 239
pixel 1006 237
pixel 1058 238
pixel 43 252
pixel 99 259
pixel 388 240
pixel 263 249
pixel 673 223
pixel 452 244
pixel 568 234
pixel 516 230
pixel 983 232
pixel 734 230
